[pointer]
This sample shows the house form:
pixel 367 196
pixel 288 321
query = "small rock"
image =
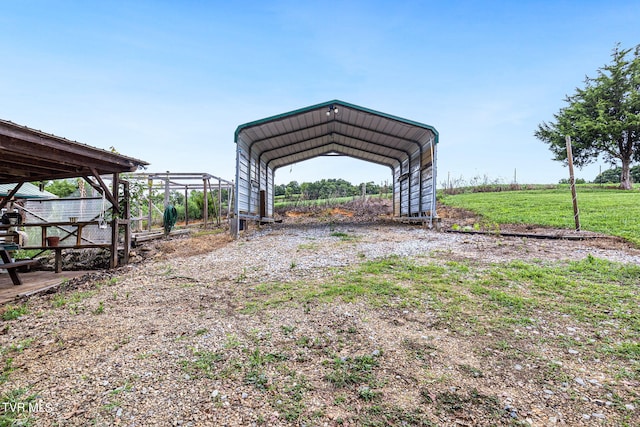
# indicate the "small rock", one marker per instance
pixel 244 395
pixel 599 416
pixel 630 406
pixel 594 382
pixel 586 416
pixel 518 367
pixel 548 392
pixel 119 412
pixel 215 393
pixel 375 353
pixel 572 351
pixel 580 381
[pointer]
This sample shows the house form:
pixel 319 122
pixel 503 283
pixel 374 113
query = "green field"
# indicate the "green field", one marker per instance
pixel 610 211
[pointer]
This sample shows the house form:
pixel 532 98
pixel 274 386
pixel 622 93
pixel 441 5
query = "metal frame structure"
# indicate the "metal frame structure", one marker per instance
pixel 335 127
pixel 173 181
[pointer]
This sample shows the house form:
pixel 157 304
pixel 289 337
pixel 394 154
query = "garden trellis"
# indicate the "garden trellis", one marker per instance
pixel 166 183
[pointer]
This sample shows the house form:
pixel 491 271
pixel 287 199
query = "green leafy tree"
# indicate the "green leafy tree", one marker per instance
pixel 280 190
pixel 61 188
pixel 603 118
pixel 613 175
pixel 292 188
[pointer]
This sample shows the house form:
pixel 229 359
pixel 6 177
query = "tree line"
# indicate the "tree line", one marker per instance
pixel 328 188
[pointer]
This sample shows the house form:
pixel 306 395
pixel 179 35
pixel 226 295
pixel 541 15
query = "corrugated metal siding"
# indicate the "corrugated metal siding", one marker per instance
pixel 254 207
pixel 427 189
pixel 396 191
pixel 243 177
pixel 270 188
pixel 352 131
pixel 415 185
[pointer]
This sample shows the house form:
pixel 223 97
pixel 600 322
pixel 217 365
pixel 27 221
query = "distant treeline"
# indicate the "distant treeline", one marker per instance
pixel 328 188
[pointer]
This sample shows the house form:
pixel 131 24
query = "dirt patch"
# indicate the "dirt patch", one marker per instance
pixel 214 331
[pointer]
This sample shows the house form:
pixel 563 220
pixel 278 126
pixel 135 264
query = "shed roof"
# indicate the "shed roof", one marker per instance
pixel 334 128
pixel 32 155
pixel 26 191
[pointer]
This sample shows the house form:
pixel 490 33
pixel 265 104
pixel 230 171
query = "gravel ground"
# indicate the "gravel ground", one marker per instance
pixel 175 340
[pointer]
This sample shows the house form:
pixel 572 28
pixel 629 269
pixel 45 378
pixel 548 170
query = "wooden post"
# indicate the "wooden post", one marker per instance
pixel 127 223
pixel 114 223
pixel 576 211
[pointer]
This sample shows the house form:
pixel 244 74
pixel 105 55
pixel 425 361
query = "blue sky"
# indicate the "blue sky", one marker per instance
pixel 168 82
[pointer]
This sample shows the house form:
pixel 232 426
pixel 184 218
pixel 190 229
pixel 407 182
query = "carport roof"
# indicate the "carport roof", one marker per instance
pixel 31 155
pixel 334 128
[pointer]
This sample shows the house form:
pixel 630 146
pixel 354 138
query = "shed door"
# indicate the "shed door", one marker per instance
pixel 263 203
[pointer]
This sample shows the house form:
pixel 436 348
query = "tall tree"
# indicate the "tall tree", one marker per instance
pixel 603 118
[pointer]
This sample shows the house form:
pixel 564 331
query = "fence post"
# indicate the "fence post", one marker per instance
pixel 576 212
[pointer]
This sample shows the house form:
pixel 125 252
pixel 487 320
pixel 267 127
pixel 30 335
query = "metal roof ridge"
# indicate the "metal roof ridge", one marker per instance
pixel 280 116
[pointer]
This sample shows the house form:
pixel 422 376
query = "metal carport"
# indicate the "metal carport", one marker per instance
pixel 335 127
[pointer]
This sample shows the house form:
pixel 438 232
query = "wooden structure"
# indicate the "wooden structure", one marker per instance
pixel 31 155
pixel 33 282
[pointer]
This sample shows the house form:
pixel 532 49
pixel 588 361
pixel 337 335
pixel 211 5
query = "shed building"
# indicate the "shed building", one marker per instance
pixel 406 147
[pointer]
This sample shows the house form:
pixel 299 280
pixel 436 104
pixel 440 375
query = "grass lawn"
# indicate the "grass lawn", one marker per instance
pixel 609 211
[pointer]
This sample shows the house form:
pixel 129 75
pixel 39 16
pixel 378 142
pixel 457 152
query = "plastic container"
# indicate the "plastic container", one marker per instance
pixel 53 241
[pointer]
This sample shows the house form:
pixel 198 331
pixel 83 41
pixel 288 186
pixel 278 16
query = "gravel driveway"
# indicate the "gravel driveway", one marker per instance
pixel 178 340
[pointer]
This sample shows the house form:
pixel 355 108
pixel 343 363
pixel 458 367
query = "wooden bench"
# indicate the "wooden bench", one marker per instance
pixel 11 266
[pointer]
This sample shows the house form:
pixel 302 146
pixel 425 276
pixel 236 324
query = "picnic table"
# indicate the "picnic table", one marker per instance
pixel 12 266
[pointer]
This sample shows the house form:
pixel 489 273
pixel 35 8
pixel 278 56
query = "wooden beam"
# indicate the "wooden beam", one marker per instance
pixel 10 196
pixel 113 200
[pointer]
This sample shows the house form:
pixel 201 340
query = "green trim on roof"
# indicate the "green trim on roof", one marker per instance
pixel 327 104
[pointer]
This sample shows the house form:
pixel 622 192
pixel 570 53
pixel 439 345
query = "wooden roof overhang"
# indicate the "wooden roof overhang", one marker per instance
pixel 31 155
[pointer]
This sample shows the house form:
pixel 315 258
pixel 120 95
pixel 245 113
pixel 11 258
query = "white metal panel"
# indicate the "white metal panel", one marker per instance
pixel 351 131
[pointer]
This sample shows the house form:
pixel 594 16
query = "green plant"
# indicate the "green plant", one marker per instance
pixel 99 309
pixel 15 405
pixel 12 312
pixel 348 371
pixel 205 363
pixel 287 330
pixel 367 394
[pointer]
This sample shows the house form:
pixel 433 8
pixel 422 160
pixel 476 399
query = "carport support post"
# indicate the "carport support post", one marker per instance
pixel 236 196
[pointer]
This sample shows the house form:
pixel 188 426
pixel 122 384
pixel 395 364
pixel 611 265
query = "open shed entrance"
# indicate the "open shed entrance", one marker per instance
pixel 406 147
